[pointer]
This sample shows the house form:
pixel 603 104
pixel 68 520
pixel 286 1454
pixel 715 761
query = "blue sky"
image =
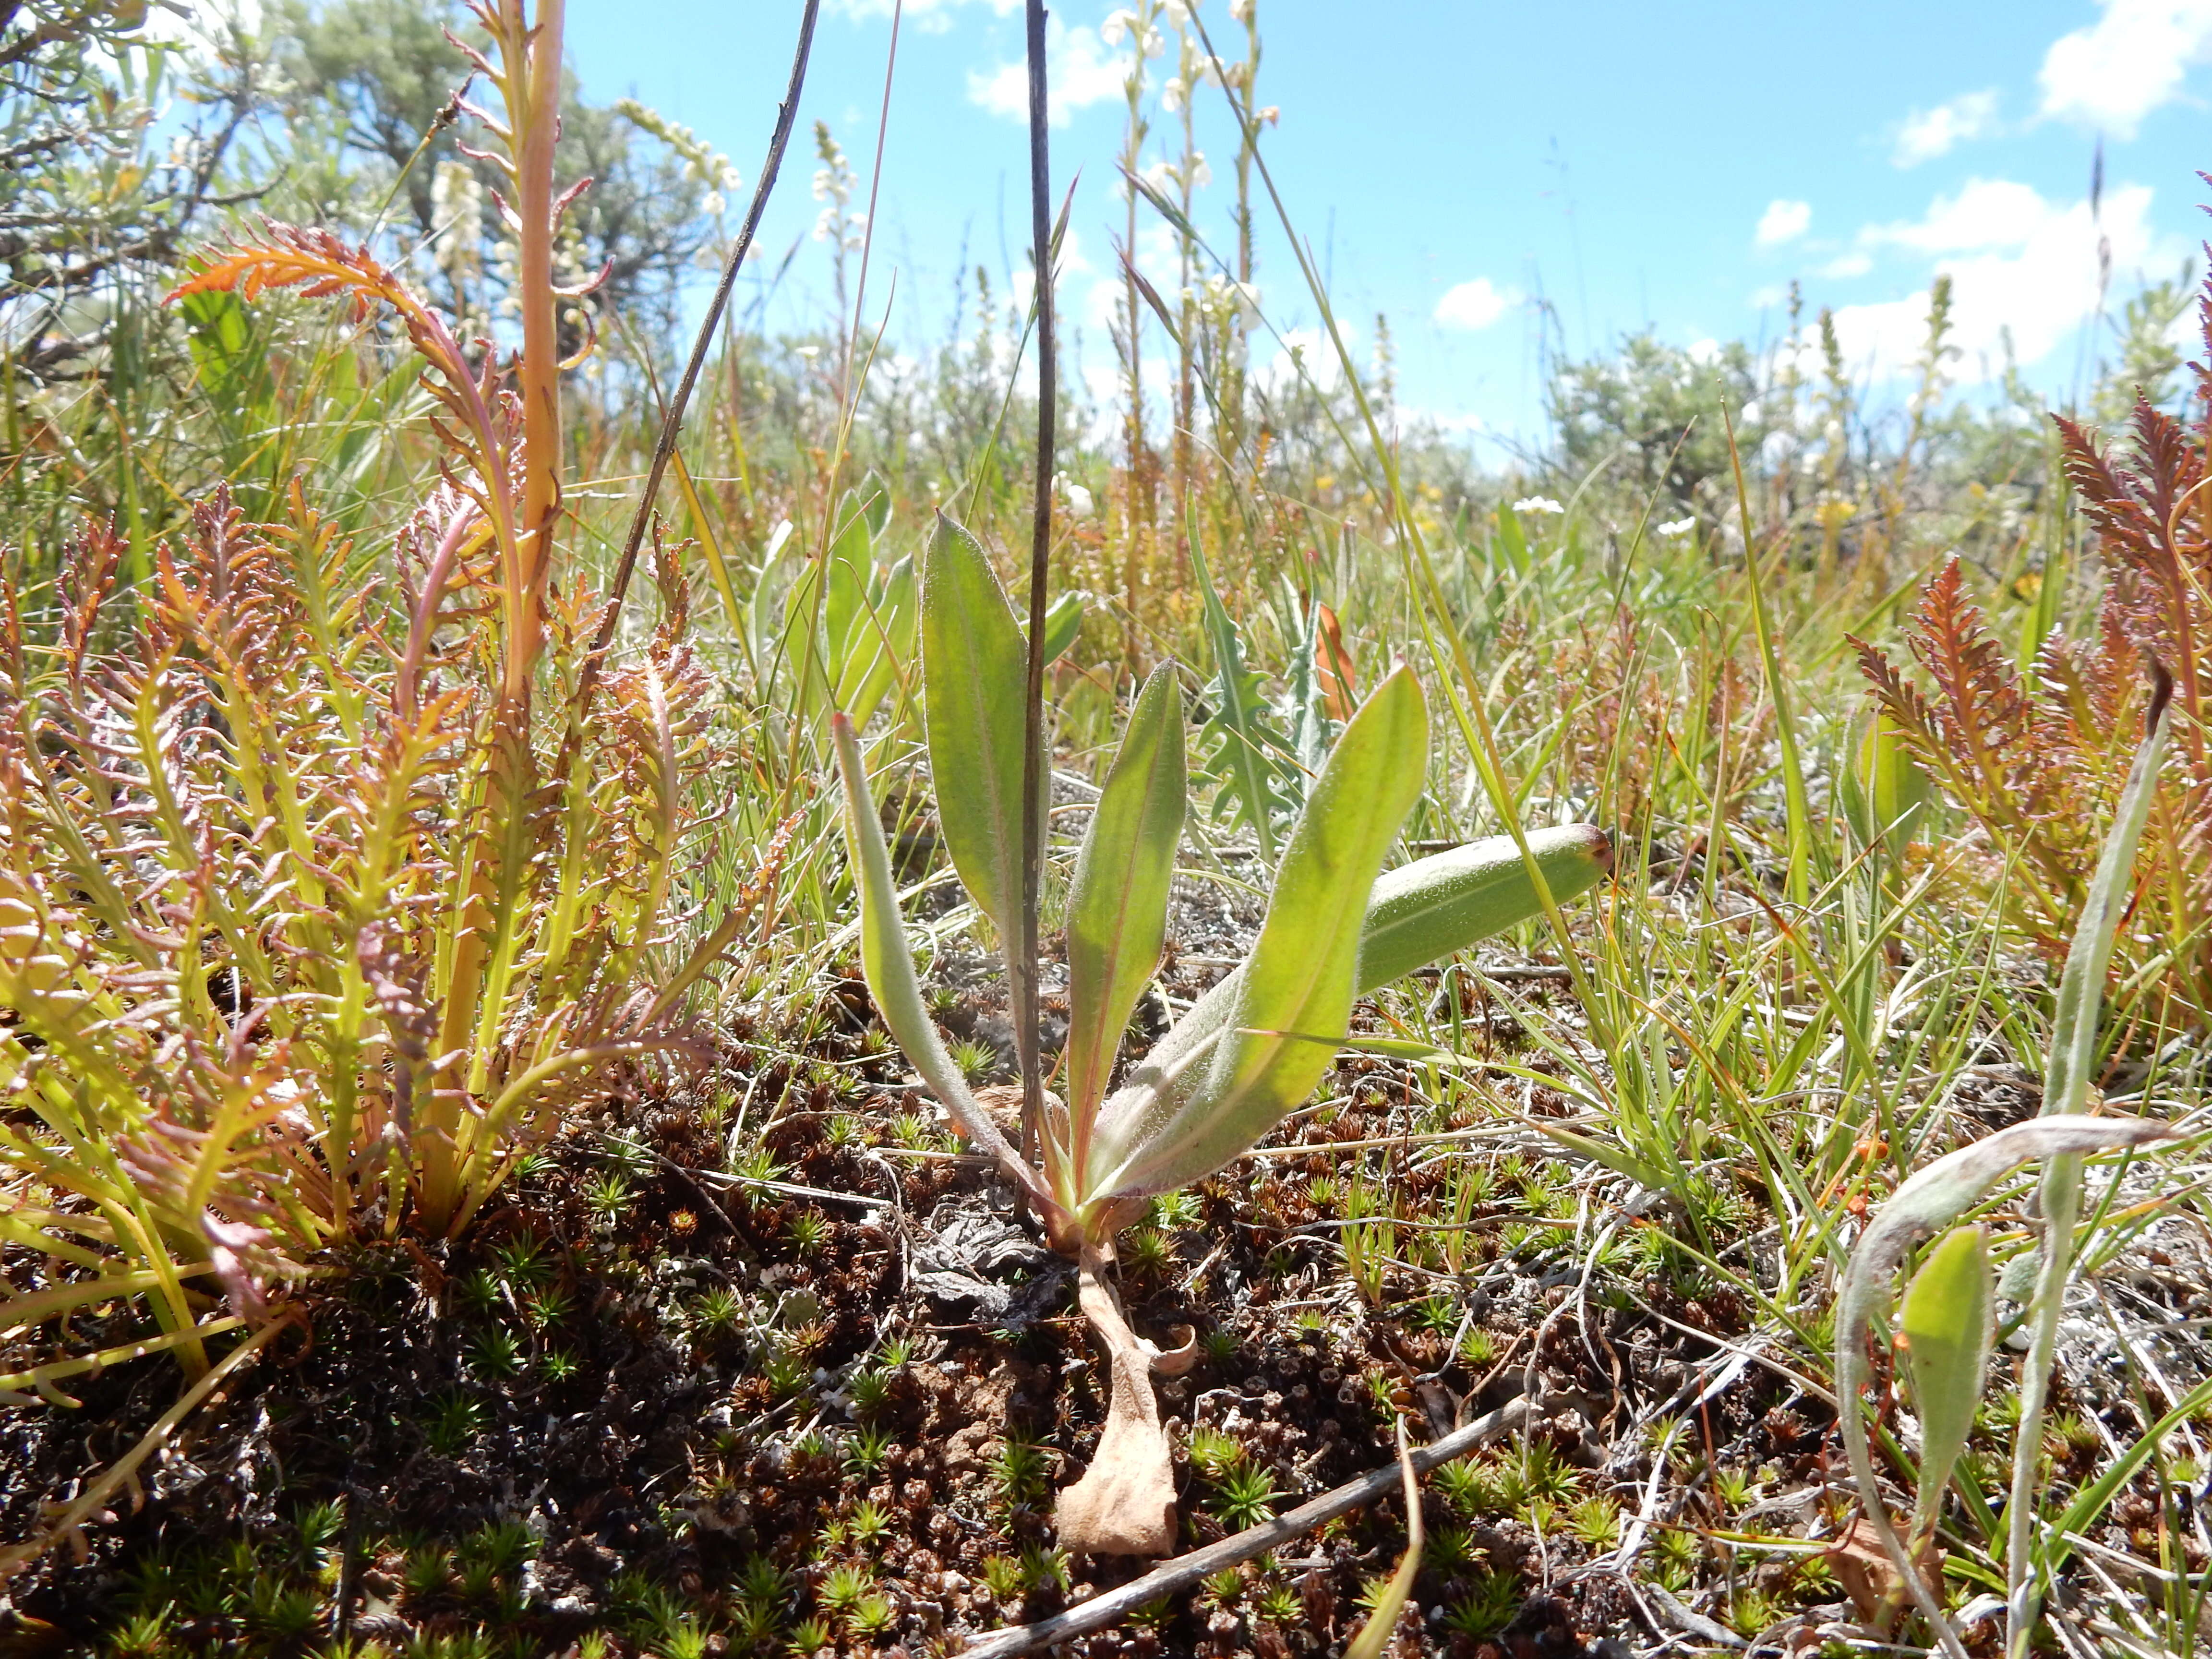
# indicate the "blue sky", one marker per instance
pixel 1635 165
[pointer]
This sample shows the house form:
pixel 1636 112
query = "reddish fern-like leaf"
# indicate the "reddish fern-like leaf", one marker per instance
pixel 1980 707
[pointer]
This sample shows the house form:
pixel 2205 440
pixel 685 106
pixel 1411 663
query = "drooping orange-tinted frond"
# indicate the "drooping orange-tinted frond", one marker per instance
pixel 315 262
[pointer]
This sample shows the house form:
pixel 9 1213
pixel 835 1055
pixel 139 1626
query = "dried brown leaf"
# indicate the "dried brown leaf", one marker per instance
pixel 1125 1503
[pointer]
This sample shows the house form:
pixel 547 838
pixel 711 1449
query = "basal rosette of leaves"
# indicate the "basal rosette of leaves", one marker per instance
pixel 1244 1055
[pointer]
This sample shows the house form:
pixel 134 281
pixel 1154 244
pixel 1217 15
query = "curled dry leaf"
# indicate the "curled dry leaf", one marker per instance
pixel 1862 1566
pixel 1003 1101
pixel 1124 1504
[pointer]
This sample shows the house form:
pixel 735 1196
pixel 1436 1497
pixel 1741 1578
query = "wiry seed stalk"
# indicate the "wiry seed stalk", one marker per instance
pixel 1023 952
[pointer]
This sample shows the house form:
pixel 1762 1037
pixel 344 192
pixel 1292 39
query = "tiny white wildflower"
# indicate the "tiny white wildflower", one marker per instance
pixel 1178 12
pixel 1171 94
pixel 1115 29
pixel 1241 10
pixel 1079 505
pixel 1537 504
pixel 1200 175
pixel 1678 527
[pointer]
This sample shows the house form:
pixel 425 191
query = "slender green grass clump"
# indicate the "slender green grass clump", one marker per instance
pixel 1946 1315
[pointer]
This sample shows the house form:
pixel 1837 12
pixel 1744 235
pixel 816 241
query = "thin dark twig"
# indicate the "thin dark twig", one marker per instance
pixel 785 115
pixel 1024 950
pixel 1112 1606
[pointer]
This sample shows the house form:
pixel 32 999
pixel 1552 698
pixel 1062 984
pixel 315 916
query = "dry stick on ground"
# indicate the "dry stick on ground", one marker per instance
pixel 1185 1570
pixel 672 422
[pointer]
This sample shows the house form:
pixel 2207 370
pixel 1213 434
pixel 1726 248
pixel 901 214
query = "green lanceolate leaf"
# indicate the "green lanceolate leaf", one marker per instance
pixel 1511 540
pixel 888 964
pixel 1117 904
pixel 2081 987
pixel 1423 911
pixel 875 502
pixel 1947 1330
pixel 852 560
pixel 1298 983
pixel 973 671
pixel 1931 1199
pixel 1426 910
pixel 1885 794
pixel 881 645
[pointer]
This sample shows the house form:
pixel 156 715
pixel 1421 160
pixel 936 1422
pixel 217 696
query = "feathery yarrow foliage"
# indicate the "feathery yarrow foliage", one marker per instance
pixel 328 874
pixel 2038 758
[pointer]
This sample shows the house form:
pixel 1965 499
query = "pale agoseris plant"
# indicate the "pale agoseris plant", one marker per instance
pixel 1252 1048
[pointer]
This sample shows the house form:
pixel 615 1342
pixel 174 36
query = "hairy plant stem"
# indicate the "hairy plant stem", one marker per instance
pixel 2060 1192
pixel 1022 953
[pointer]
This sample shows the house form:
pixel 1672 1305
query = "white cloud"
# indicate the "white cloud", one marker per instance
pixel 1844 266
pixel 1475 306
pixel 2018 264
pixel 1986 212
pixel 1782 222
pixel 1080 69
pixel 1927 134
pixel 1102 304
pixel 2127 63
pixel 1159 256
